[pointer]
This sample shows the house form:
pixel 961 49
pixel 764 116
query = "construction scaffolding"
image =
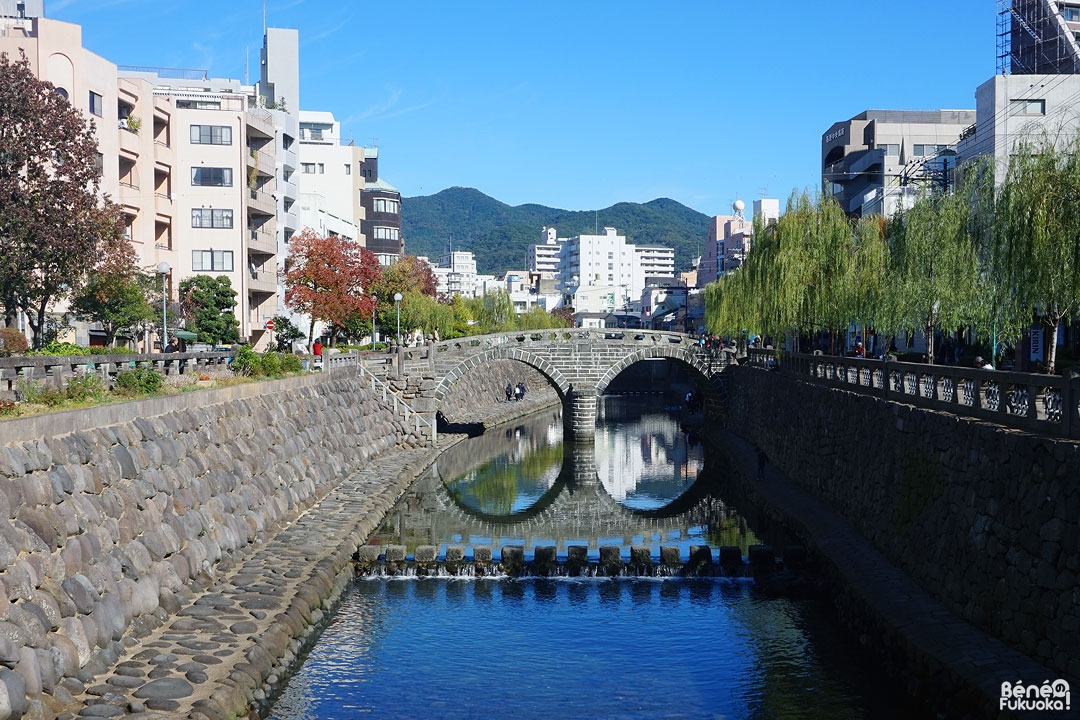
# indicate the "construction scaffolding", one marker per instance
pixel 1034 38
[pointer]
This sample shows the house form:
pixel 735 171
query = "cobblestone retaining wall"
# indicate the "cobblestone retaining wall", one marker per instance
pixel 982 517
pixel 103 528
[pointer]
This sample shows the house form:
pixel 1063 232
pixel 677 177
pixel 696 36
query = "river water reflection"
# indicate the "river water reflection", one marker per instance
pixel 471 647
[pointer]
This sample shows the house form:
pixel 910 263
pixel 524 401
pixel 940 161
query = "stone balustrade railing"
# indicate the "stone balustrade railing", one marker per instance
pixel 1048 404
pixel 58 371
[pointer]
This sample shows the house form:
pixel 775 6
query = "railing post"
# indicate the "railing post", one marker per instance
pixel 1068 402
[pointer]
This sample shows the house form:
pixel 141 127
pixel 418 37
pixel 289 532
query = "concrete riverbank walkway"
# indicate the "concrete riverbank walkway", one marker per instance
pixel 961 667
pixel 233 638
pixel 222 646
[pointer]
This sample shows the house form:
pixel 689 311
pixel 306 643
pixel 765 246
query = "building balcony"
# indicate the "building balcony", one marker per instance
pixel 288 219
pixel 262 242
pixel 129 143
pixel 288 189
pixel 163 205
pixel 262 160
pixel 261 202
pixel 288 160
pixel 262 282
pixel 130 195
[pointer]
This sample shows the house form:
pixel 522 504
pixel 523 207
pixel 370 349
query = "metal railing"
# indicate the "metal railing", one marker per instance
pixel 405 408
pixel 1046 404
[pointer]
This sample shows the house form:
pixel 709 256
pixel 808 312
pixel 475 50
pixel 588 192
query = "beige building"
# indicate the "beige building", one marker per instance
pixel 192 166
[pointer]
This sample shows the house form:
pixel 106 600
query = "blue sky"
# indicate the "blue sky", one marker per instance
pixel 582 104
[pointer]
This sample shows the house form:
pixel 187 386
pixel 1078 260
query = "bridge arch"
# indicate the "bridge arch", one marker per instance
pixel 502 352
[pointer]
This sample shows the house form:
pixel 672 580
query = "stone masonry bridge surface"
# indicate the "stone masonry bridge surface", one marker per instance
pixel 579 364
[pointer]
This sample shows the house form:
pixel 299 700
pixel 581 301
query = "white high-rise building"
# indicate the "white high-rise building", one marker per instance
pixel 330 178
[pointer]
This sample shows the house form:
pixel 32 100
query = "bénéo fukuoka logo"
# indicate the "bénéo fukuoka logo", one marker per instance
pixel 1048 696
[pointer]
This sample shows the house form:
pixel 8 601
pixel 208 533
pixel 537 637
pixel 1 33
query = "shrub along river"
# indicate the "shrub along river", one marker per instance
pixel 480 644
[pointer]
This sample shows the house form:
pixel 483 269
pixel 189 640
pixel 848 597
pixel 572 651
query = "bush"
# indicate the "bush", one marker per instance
pixel 270 363
pixel 139 381
pixel 12 342
pixel 8 408
pixel 39 393
pixel 246 362
pixel 85 387
pixel 291 363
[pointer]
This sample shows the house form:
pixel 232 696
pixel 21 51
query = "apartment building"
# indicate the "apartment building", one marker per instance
pixel 331 179
pixel 223 189
pixel 730 238
pixel 381 201
pixel 191 164
pixel 544 257
pixel 876 161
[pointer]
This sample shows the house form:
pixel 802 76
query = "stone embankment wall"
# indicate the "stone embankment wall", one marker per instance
pixel 985 518
pixel 483 387
pixel 109 515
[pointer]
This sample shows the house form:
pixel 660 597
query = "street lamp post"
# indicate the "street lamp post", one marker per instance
pixel 397 305
pixel 374 304
pixel 164 268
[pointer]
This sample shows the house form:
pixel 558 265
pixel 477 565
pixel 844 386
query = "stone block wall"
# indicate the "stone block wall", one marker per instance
pixel 108 516
pixel 485 386
pixel 985 518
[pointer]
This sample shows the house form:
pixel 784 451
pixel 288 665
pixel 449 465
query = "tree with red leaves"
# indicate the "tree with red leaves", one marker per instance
pixel 326 278
pixel 54 223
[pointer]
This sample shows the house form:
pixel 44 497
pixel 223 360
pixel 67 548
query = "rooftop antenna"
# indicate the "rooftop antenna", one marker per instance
pixel 738 206
pixel 596 222
pixel 264 18
pixel 764 192
pixel 247 65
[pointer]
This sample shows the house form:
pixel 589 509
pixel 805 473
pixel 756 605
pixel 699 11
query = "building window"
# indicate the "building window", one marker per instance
pixel 892 149
pixel 924 150
pixel 198 104
pixel 386 205
pixel 348 169
pixel 1071 14
pixel 211 135
pixel 216 177
pixel 1028 107
pixel 210 218
pixel 322 168
pixel 99 164
pixel 95 103
pixel 386 233
pixel 307 168
pixel 211 260
pixel 61 92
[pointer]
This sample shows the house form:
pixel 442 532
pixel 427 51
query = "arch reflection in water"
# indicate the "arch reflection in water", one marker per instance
pixel 641 480
pixel 541 648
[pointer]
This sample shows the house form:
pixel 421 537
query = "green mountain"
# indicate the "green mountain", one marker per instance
pixel 499 235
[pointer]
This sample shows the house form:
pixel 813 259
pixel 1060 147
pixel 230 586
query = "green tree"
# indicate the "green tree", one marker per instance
pixel 117 294
pixel 208 304
pixel 285 333
pixel 497 312
pixel 54 222
pixel 933 265
pixel 1036 246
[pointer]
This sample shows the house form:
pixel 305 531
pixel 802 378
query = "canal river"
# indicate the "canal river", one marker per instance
pixel 472 646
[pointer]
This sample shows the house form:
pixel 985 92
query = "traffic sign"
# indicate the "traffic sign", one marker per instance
pixel 270 324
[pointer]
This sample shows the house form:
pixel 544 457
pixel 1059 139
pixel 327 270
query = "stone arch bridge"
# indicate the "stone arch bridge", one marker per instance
pixel 579 364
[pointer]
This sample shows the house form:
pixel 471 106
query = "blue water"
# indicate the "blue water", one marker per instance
pixel 635 648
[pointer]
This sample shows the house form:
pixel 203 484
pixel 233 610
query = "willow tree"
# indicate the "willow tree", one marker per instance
pixel 933 265
pixel 1037 239
pixel 866 290
pixel 794 276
